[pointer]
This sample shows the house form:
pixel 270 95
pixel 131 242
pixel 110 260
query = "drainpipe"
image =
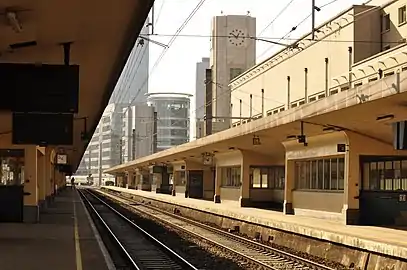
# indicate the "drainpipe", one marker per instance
pixel 326 77
pixel 350 67
pixel 251 106
pixel 262 102
pixel 288 92
pixel 240 111
pixel 306 85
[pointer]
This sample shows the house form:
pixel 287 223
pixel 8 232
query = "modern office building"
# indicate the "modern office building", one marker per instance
pixel 172 112
pixel 200 92
pixel 232 53
pixel 115 142
pixel 104 149
pixel 138 131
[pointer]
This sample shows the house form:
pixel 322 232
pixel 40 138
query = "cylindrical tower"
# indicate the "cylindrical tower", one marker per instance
pixel 172 118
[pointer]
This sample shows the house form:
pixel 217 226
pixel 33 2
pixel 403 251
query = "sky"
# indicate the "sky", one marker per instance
pixel 175 72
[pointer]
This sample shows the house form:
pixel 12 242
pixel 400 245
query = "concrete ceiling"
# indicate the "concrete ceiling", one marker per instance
pixel 103 33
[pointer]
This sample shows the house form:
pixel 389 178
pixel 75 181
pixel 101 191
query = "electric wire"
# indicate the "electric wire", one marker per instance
pixel 357 17
pixel 172 40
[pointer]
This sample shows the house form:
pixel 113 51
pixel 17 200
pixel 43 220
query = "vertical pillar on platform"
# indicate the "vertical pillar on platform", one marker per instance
pixel 289 186
pixel 245 187
pixel 31 211
pixel 48 175
pixel 41 177
pixel 218 182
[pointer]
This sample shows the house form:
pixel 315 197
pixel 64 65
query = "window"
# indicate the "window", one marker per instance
pixel 402 15
pixel 267 177
pixel 234 72
pixel 231 177
pixel 357 84
pixel 311 99
pixel 388 74
pixel 106 119
pixel 320 174
pixel 333 92
pixel 387 47
pixel 385 175
pixel 372 79
pixel 321 96
pixel 386 23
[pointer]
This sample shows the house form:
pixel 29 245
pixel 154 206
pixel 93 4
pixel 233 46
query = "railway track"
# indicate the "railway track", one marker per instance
pixel 257 253
pixel 139 250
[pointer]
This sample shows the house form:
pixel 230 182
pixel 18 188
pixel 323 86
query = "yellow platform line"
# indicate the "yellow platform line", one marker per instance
pixel 78 253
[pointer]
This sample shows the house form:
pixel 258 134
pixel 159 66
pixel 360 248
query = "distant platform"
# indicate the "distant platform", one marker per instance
pixel 387 241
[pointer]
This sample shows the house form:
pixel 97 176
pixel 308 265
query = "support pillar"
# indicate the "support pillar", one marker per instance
pixel 175 180
pixel 350 210
pixel 289 187
pixel 245 188
pixel 218 182
pixel 41 177
pixel 131 180
pixel 48 176
pixel 351 189
pixel 30 211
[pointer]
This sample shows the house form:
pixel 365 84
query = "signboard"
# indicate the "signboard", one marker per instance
pixel 62 159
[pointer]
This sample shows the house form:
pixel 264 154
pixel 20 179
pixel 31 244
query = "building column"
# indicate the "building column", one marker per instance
pixel 218 183
pixel 289 187
pixel 245 187
pixel 131 180
pixel 48 175
pixel 175 181
pixel 351 189
pixel 127 178
pixel 41 178
pixel 30 211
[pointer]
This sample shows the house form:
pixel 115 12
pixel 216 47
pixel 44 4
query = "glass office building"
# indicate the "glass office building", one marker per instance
pixel 172 118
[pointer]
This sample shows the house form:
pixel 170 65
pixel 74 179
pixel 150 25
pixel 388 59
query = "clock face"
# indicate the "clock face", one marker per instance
pixel 236 37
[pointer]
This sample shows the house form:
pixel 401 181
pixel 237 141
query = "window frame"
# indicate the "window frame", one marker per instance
pixel 275 179
pixel 386 19
pixel 402 15
pixel 310 174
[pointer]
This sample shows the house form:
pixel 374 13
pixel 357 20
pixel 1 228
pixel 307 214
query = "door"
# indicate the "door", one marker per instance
pixel 195 184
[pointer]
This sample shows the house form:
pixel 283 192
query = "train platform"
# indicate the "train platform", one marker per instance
pixel 387 241
pixel 64 239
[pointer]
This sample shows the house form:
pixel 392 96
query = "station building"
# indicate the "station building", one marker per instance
pixel 324 129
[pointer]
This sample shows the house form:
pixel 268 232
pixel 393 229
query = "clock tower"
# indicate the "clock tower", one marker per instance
pixel 233 51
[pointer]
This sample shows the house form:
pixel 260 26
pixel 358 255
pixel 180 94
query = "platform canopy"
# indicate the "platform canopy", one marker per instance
pixel 102 33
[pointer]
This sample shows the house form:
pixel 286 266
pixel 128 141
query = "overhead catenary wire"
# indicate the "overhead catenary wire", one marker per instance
pixel 164 51
pixel 276 17
pixel 359 16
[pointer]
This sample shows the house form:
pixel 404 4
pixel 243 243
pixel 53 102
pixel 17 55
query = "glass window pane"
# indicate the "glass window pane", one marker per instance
pixel 327 174
pixel 320 166
pixel 264 180
pixel 334 174
pixel 341 173
pixel 256 178
pixel 314 174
